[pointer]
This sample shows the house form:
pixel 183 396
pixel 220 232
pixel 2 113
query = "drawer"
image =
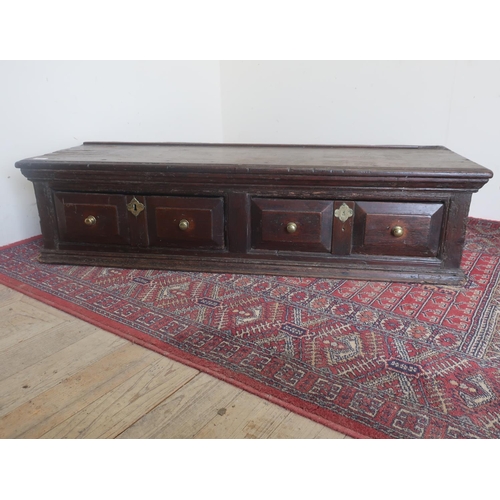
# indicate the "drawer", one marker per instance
pixel 390 228
pixel 92 218
pixel 285 224
pixel 185 222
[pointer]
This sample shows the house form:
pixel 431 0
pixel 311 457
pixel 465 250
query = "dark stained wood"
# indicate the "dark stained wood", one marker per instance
pixel 342 160
pixel 420 223
pixel 47 213
pixel 139 236
pixel 109 211
pixel 205 217
pixel 238 200
pixel 453 236
pixel 313 221
pixel 238 222
pixel 351 268
pixel 342 230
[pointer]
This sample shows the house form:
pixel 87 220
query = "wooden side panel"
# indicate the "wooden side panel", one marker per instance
pixel 47 213
pixel 312 220
pixel 455 229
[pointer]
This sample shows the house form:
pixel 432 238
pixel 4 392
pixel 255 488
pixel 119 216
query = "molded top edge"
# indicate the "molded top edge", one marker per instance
pixel 266 145
pixel 267 159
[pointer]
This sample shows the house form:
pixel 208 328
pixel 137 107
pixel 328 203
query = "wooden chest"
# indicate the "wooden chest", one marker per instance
pixel 384 213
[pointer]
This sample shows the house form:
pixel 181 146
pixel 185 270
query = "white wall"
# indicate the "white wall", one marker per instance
pixel 454 104
pixel 46 106
pixel 474 128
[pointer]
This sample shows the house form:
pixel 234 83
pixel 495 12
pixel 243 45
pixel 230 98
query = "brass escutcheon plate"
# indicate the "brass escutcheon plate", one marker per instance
pixel 135 206
pixel 344 212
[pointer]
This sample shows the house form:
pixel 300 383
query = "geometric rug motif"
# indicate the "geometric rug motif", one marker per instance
pixel 371 359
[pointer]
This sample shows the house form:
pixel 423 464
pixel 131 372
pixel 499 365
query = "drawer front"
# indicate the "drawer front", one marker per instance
pixel 185 222
pixel 399 229
pixel 92 218
pixel 284 224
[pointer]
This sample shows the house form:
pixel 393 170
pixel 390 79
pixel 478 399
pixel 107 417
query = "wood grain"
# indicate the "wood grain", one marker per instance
pixel 24 354
pixel 8 296
pixel 205 218
pixel 294 426
pixel 72 394
pixel 351 159
pixel 232 421
pixel 22 321
pixel 313 220
pixel 113 412
pixel 44 375
pixel 183 414
pixel 420 222
pixel 213 187
pixel 109 211
pixel 101 386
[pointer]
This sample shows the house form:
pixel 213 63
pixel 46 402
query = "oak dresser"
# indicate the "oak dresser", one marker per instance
pixel 358 212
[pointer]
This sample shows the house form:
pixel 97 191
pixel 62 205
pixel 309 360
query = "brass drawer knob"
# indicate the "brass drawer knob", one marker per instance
pixel 90 220
pixel 183 224
pixel 397 231
pixel 291 227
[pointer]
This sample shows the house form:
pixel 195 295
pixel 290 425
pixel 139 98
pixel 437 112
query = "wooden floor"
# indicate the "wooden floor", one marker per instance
pixel 63 378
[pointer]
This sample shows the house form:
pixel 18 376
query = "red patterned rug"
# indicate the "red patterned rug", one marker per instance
pixel 371 359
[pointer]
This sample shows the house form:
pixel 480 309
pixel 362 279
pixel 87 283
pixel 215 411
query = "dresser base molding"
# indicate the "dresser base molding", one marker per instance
pixel 346 212
pixel 334 270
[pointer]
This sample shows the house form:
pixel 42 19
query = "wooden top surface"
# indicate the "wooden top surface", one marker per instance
pixel 433 161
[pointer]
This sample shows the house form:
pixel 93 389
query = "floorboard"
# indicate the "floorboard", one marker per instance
pixel 63 378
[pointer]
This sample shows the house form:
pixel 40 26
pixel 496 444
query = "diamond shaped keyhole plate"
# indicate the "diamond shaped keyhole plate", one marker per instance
pixel 135 206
